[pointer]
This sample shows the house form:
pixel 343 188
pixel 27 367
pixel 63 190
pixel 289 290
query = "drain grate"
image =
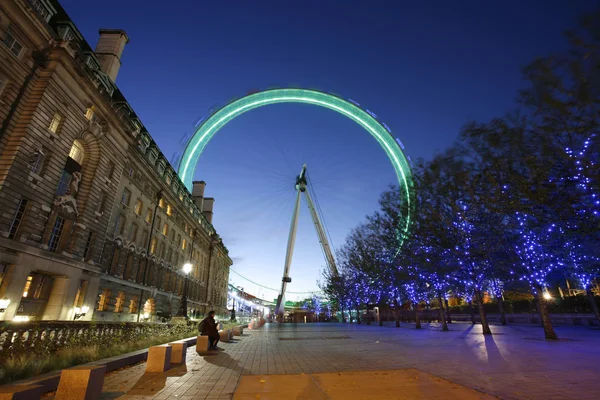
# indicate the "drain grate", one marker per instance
pixel 318 337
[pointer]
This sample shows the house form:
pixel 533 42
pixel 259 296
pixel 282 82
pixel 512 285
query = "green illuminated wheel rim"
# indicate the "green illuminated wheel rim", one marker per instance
pixel 209 128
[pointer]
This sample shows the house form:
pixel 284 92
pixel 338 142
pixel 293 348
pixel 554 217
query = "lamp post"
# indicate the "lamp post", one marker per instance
pixel 182 312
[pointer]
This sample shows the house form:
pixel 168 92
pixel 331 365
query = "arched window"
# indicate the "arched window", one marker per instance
pixel 77 153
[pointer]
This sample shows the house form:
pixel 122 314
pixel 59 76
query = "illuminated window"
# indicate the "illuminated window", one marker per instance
pixel 120 302
pixel 126 197
pixel 13 44
pixel 153 246
pixel 184 244
pixel 77 152
pixel 133 305
pixel 89 113
pixel 27 286
pixel 165 229
pixel 148 216
pixel 169 210
pixel 139 205
pixel 104 300
pixel 162 203
pixel 55 123
pixel 149 306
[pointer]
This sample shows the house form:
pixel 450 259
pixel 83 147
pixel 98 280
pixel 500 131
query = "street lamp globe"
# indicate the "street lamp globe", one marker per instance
pixel 187 268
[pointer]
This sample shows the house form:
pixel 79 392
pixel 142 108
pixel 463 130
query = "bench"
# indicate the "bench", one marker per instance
pixel 159 358
pixel 20 392
pixel 178 352
pixel 202 344
pixel 81 383
pixel 225 335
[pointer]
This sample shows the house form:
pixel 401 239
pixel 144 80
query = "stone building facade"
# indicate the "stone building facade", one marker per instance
pixel 92 215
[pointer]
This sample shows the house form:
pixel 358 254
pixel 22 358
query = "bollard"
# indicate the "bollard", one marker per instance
pixel 159 358
pixel 178 352
pixel 81 383
pixel 202 344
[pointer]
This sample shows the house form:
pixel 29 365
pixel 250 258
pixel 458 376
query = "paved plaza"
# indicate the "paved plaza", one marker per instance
pixel 514 363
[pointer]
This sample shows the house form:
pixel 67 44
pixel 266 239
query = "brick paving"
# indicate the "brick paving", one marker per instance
pixel 514 363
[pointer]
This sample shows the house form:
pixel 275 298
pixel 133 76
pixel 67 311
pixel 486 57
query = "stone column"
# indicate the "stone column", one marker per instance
pixel 67 312
pixel 57 299
pixel 16 276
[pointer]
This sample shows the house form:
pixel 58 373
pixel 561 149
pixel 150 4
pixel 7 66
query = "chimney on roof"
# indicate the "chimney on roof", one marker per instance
pixel 198 193
pixel 109 49
pixel 207 208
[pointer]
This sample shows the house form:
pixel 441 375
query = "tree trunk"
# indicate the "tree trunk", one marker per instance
pixel 357 315
pixel 546 323
pixel 428 309
pixel 502 312
pixel 472 309
pixel 484 322
pixel 442 316
pixel 592 300
pixel 448 316
pixel 417 317
pixel 343 316
pixel 396 317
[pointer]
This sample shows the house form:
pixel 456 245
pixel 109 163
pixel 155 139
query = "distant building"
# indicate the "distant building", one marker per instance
pixel 82 183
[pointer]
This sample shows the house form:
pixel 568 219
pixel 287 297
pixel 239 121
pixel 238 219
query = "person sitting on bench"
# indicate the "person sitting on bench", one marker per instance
pixel 208 327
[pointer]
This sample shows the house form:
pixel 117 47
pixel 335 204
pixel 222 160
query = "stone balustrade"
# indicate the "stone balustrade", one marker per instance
pixel 48 337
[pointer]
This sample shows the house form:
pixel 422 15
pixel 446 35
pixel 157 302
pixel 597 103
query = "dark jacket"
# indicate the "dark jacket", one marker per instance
pixel 208 327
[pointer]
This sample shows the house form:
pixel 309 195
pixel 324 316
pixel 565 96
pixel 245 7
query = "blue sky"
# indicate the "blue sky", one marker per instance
pixel 425 68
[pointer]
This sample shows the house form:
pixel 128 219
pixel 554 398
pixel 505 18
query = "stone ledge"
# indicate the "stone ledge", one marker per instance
pixel 49 381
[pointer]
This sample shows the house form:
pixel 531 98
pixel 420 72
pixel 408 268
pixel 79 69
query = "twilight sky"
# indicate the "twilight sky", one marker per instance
pixel 424 69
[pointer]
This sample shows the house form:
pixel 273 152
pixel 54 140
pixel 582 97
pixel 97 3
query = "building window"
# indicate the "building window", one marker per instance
pixel 162 203
pixel 184 244
pixel 104 300
pixel 148 216
pixel 169 210
pixel 161 251
pixel 3 83
pixel 169 254
pixel 101 203
pixel 56 234
pixel 89 113
pixel 172 236
pixel 120 302
pixel 145 239
pixel 130 172
pixel 119 224
pixel 165 230
pixel 111 170
pixel 55 124
pixel 41 9
pixel 38 161
pixel 153 246
pixel 139 206
pixel 13 45
pixel 126 197
pixel 178 240
pixel 27 286
pixel 132 233
pixel 133 305
pixel 158 223
pixel 87 251
pixel 77 152
pixel 17 219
